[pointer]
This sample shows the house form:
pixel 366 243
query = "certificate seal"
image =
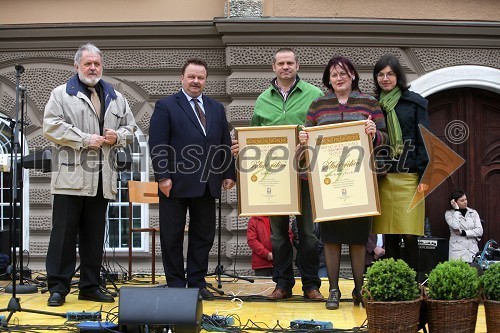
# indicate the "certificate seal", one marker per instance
pixel 253 178
pixel 327 181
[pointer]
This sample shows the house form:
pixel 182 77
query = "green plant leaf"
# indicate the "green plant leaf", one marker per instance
pixel 390 280
pixel 453 280
pixel 490 282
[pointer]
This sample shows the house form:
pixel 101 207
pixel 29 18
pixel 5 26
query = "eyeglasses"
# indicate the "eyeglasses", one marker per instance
pixel 337 75
pixel 389 75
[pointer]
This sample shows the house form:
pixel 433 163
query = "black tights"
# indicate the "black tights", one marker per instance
pixel 410 252
pixel 332 260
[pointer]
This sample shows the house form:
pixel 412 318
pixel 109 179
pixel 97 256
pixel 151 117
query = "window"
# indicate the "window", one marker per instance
pixel 118 211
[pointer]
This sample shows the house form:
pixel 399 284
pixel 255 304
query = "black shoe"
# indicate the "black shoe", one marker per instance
pixel 56 299
pixel 206 294
pixel 357 298
pixel 332 303
pixel 96 296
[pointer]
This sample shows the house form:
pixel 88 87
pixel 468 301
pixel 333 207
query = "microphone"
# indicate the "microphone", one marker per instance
pixel 19 68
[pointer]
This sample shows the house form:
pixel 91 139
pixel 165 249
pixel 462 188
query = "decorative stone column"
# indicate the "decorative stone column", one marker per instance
pixel 243 8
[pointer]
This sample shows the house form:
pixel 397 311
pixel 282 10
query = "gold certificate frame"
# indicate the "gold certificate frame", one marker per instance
pixel 340 165
pixel 268 182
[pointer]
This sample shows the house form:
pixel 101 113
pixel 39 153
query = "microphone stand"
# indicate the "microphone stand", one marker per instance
pixel 14 305
pixel 21 288
pixel 219 269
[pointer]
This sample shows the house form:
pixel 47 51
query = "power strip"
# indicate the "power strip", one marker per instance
pixel 113 277
pixel 79 316
pixel 96 326
pixel 311 324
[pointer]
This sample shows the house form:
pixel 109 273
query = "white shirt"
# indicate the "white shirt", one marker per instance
pixel 200 103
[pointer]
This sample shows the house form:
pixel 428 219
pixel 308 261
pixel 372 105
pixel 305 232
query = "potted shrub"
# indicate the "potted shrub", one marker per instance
pixel 392 297
pixel 452 297
pixel 490 284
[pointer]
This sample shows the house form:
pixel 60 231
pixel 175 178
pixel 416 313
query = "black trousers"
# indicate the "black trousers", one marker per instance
pixel 307 250
pixel 201 235
pixel 82 218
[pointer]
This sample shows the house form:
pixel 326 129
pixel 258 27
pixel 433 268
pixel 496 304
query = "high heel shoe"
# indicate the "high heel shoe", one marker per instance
pixel 357 298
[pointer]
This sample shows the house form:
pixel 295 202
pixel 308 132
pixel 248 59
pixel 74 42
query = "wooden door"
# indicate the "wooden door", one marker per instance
pixel 471 118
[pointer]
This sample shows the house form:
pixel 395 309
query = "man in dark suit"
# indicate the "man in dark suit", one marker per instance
pixel 190 143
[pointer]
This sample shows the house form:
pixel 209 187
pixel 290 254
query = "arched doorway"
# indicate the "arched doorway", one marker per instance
pixel 479 177
pixel 471 95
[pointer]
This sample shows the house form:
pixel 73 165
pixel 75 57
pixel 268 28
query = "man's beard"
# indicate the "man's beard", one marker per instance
pixel 87 81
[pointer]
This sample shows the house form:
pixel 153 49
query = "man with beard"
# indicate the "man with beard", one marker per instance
pixel 85 118
pixel 190 143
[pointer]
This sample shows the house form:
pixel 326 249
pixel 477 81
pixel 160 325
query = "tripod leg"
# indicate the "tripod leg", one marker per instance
pixel 239 277
pixel 110 279
pixel 15 306
pixel 9 316
pixel 217 290
pixel 219 269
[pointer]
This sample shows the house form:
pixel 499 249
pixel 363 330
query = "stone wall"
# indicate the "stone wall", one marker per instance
pixel 146 66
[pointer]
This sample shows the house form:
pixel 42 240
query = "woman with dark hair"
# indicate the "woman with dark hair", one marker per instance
pixel 465 228
pixel 345 103
pixel 405 162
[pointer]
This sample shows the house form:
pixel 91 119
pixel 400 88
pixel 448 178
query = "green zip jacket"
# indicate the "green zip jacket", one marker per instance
pixel 270 109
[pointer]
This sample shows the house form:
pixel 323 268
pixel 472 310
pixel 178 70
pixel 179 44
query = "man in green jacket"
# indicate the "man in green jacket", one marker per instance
pixel 286 102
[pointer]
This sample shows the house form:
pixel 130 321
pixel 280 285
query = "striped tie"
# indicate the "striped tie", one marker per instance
pixel 200 112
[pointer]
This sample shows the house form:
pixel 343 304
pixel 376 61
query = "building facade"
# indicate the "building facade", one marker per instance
pixel 450 51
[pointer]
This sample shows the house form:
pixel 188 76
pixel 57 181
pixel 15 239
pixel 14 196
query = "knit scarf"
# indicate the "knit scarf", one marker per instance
pixel 388 102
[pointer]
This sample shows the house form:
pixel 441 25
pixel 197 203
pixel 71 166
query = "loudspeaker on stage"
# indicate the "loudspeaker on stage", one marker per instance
pixel 4 242
pixel 4 254
pixel 179 309
pixel 431 251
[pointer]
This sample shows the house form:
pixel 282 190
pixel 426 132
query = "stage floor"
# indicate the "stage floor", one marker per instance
pixel 243 301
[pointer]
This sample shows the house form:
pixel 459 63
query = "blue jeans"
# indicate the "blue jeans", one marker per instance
pixel 307 250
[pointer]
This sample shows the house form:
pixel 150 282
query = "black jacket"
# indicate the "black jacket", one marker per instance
pixel 411 111
pixel 182 152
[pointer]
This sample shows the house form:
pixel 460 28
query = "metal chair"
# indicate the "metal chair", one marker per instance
pixel 141 192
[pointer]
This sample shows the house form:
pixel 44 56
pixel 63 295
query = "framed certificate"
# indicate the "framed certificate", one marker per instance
pixel 340 163
pixel 268 180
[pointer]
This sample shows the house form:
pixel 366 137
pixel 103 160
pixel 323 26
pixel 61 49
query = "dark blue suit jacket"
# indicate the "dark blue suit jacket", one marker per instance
pixel 180 150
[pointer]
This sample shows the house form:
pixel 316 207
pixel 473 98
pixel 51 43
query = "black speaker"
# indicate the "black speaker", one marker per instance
pixel 4 254
pixel 39 160
pixel 4 242
pixel 179 309
pixel 123 161
pixel 431 251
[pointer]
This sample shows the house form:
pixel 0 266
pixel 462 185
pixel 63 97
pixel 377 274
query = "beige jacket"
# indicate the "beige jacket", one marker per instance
pixel 69 121
pixel 464 247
